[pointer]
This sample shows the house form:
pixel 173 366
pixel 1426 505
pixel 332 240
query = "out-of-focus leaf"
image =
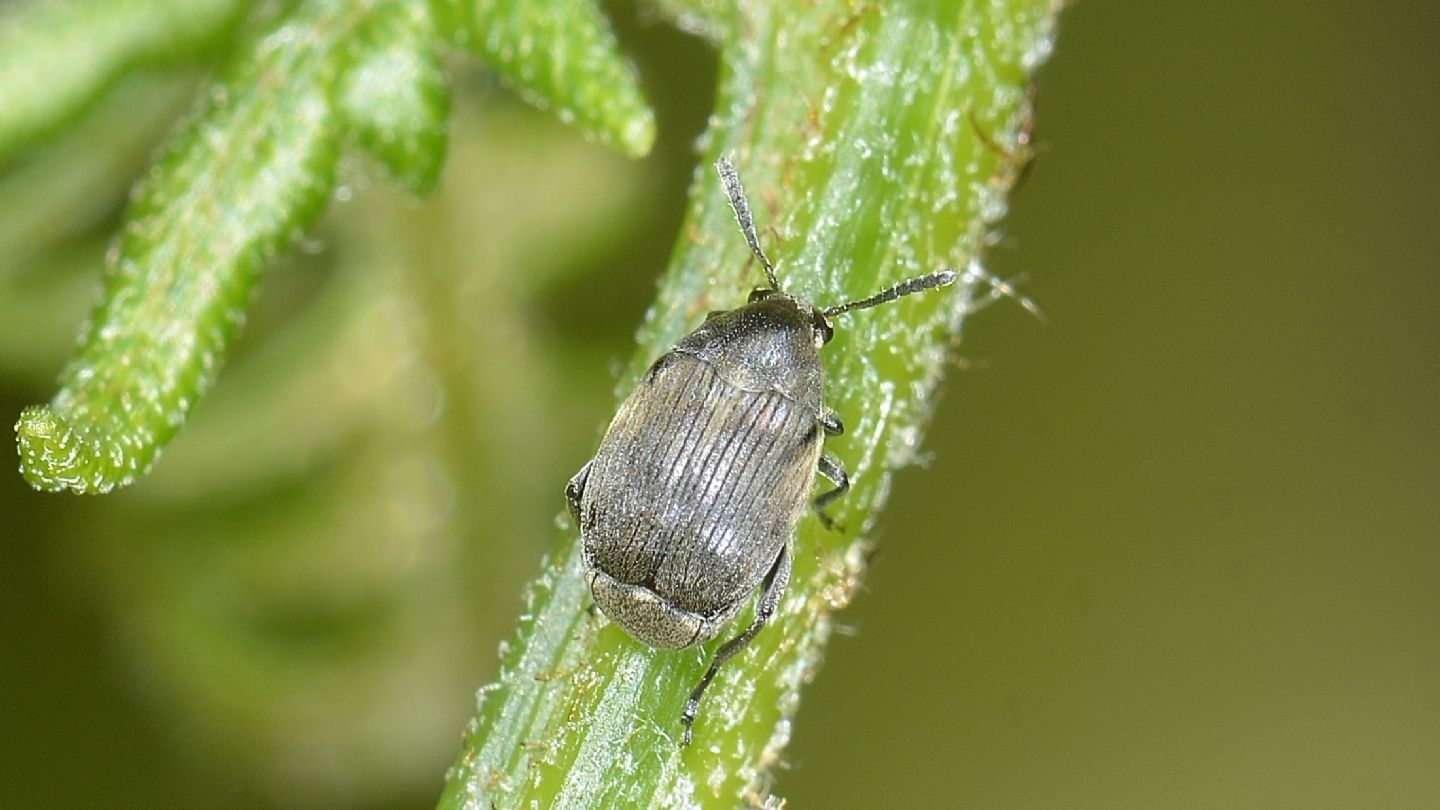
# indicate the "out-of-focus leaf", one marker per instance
pixel 57 210
pixel 395 97
pixel 561 56
pixel 57 56
pixel 240 182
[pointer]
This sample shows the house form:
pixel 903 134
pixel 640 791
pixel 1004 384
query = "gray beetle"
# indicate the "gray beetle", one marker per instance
pixel 690 502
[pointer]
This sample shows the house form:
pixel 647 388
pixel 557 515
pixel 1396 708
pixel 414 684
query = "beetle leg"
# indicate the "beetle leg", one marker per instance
pixel 832 424
pixel 771 590
pixel 830 468
pixel 575 489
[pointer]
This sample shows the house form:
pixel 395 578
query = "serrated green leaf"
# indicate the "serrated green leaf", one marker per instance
pixel 563 57
pixel 395 99
pixel 55 57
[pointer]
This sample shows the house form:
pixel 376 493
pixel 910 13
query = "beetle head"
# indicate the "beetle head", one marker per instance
pixel 820 329
pixel 819 319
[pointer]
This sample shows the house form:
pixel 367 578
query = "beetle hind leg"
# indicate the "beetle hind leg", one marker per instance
pixel 771 591
pixel 830 468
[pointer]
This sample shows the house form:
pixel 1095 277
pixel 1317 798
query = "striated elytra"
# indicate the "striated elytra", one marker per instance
pixel 689 504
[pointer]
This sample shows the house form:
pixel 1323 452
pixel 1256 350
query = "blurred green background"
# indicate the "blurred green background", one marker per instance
pixel 1176 547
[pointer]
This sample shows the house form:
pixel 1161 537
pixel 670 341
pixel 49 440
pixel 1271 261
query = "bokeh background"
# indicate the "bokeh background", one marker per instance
pixel 1178 546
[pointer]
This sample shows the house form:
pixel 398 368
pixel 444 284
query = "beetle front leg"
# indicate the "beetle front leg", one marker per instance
pixel 830 468
pixel 771 591
pixel 575 489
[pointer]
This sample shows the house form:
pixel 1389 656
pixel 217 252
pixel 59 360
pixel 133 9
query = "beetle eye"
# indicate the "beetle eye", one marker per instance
pixel 760 294
pixel 823 332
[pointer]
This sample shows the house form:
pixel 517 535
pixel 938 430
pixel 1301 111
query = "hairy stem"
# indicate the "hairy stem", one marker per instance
pixel 876 143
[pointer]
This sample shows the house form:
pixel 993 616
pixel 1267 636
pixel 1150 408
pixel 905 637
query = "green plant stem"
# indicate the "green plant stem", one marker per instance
pixel 879 143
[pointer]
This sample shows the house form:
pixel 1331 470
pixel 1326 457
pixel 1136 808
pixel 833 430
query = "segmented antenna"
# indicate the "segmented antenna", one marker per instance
pixel 731 180
pixel 939 278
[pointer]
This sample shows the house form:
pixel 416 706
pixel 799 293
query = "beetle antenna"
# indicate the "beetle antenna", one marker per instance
pixel 731 180
pixel 929 281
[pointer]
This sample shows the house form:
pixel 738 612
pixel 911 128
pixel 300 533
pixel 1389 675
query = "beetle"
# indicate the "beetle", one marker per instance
pixel 691 499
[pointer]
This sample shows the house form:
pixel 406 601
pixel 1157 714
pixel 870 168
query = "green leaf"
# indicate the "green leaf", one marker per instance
pixel 254 170
pixel 239 183
pixel 56 212
pixel 395 97
pixel 879 143
pixel 56 57
pixel 562 56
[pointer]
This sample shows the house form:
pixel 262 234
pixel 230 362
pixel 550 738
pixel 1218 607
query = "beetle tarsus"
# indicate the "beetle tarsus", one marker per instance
pixel 687 719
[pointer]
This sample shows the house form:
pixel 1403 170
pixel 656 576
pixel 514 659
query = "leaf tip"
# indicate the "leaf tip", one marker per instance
pixel 46 446
pixel 54 456
pixel 637 136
